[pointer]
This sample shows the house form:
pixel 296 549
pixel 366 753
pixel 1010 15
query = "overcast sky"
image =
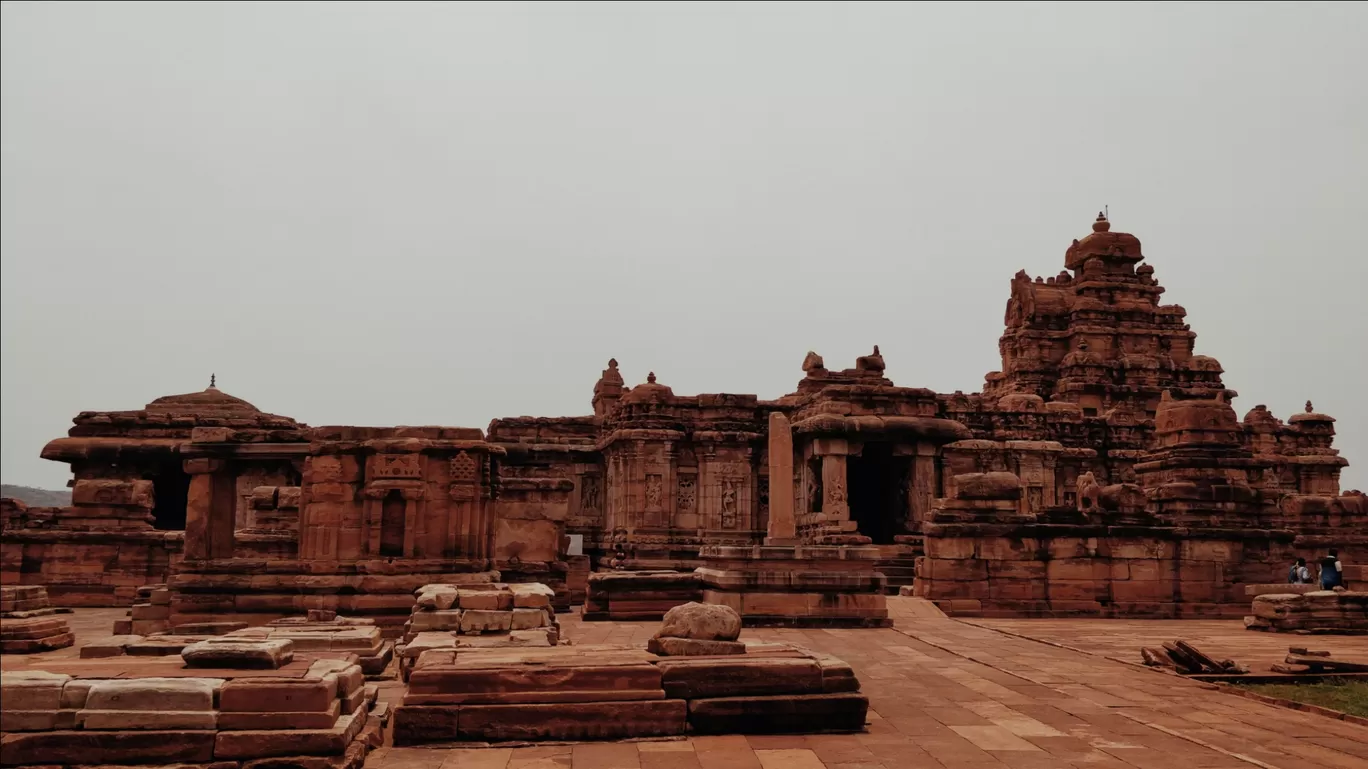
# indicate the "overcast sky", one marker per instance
pixel 385 214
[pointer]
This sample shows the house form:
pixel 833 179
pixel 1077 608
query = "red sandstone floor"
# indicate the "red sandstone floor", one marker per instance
pixel 955 695
pixel 1222 639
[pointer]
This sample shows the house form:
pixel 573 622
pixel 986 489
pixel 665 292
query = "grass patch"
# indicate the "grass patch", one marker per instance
pixel 1344 695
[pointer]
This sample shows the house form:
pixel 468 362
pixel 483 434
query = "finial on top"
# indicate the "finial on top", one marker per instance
pixel 612 363
pixel 1102 224
pixel 1308 407
pixel 876 349
pixel 212 379
pixel 650 378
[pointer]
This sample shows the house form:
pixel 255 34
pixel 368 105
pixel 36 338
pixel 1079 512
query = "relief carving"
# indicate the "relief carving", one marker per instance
pixel 396 466
pixel 762 491
pixel 464 469
pixel 653 492
pixel 729 503
pixel 687 494
pixel 591 494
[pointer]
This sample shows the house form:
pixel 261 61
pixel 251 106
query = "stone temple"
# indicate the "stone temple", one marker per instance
pixel 1102 471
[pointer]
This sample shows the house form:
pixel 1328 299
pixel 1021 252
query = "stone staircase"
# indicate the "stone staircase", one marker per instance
pixel 899 560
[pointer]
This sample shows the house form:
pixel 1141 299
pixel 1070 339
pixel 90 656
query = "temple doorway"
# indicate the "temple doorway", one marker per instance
pixel 170 490
pixel 877 483
pixel 392 525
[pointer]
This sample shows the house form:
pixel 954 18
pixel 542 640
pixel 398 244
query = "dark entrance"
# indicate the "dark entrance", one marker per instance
pixel 877 483
pixel 170 489
pixel 392 525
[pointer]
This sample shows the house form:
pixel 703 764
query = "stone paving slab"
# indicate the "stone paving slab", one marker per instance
pixel 1221 639
pixel 949 694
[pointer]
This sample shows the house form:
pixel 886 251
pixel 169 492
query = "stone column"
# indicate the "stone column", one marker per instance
pixel 210 509
pixel 782 529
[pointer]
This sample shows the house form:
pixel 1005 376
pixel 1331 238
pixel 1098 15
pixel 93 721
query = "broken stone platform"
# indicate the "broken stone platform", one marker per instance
pixel 226 702
pixel 797 585
pixel 1343 612
pixel 496 615
pixel 600 692
pixel 627 596
pixel 29 623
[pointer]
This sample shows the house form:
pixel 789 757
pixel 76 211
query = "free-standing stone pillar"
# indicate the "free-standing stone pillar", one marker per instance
pixel 782 528
pixel 210 509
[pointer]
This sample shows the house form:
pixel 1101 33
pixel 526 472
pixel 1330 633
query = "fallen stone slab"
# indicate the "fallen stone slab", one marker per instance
pixel 787 714
pixel 276 695
pixel 736 676
pixel 153 694
pixel 231 654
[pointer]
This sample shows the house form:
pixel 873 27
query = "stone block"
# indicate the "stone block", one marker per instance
pixel 144 719
pixel 225 652
pixel 738 677
pixel 32 690
pixel 690 647
pixel 566 680
pixel 13 720
pixel 531 595
pixel 436 597
pixel 535 637
pixel 291 742
pixel 784 714
pixel 487 600
pixel 528 619
pixel 278 695
pixel 438 619
pixel 573 721
pixel 109 647
pixel 183 694
pixel 485 621
pixel 419 724
pixel 281 719
pixel 112 747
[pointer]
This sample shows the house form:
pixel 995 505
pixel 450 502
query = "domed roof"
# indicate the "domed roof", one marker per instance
pixel 210 401
pixel 1310 415
pixel 1102 242
pixel 649 392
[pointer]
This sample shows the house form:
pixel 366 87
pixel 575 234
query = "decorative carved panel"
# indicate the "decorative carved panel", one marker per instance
pixel 654 492
pixel 688 488
pixel 591 494
pixel 464 469
pixel 396 466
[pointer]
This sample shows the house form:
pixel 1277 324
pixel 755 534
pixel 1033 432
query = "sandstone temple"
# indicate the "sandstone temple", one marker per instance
pixel 1102 471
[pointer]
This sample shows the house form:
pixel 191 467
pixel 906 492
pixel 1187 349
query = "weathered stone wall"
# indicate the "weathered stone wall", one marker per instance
pixel 1110 571
pixel 83 568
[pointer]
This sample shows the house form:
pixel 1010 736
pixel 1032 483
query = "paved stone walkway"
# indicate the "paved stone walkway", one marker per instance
pixel 946 694
pixel 952 695
pixel 1223 639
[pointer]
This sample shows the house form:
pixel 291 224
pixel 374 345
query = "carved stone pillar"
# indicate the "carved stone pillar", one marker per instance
pixel 782 529
pixel 210 509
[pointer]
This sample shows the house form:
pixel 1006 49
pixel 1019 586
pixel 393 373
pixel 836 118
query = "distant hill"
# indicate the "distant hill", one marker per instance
pixel 36 497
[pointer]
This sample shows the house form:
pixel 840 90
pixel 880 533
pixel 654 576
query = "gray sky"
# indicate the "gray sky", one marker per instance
pixel 443 213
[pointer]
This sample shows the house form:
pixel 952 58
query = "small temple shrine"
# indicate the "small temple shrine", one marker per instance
pixel 1102 471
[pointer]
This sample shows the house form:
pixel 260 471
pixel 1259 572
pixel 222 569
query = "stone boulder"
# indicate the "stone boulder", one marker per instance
pixel 701 622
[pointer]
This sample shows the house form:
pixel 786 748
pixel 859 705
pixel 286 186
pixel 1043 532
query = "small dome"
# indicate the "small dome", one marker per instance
pixel 1310 415
pixel 1104 243
pixel 209 401
pixel 651 392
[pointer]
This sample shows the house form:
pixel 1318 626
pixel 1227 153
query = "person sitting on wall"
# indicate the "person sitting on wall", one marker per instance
pixel 1331 571
pixel 1299 574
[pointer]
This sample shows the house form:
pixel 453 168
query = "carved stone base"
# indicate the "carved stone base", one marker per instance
pixel 797 586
